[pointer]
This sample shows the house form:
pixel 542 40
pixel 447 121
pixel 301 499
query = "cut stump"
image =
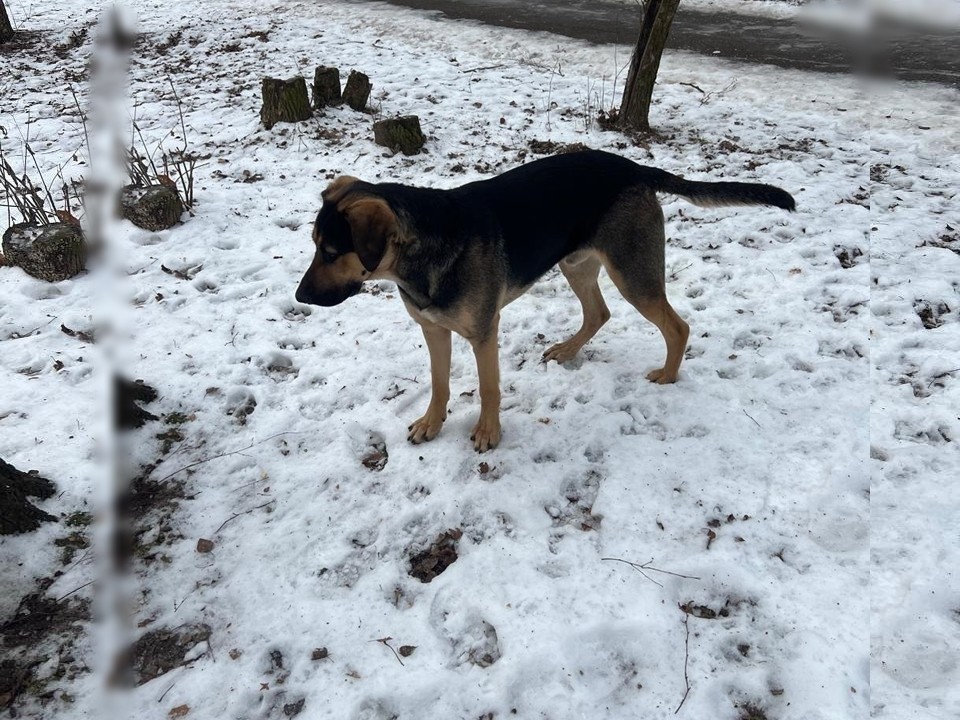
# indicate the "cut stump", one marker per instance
pixel 284 101
pixel 357 91
pixel 326 87
pixel 402 133
pixel 49 252
pixel 155 207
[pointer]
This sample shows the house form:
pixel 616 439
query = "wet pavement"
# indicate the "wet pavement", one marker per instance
pixel 891 51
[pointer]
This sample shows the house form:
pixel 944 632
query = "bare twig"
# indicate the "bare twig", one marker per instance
pixel 164 693
pixel 719 93
pixel 647 566
pixel 83 119
pixel 228 454
pixel 754 421
pixel 942 375
pixel 149 155
pixel 675 273
pixel 178 605
pixel 386 641
pixel 40 174
pixel 64 597
pixel 245 512
pixel 481 69
pixel 694 86
pixel 183 124
pixel 686 659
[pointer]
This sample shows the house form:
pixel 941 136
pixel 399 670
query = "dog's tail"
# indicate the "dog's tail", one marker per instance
pixel 719 194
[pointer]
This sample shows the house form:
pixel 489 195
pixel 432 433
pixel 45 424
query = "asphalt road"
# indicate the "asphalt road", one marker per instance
pixel 891 51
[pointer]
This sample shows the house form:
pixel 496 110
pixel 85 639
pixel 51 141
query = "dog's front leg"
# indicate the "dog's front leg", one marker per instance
pixel 486 433
pixel 438 343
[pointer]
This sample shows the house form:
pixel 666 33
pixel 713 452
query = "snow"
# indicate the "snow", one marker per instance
pixel 798 473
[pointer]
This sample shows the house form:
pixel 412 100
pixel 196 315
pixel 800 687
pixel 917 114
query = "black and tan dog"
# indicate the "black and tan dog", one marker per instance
pixel 458 256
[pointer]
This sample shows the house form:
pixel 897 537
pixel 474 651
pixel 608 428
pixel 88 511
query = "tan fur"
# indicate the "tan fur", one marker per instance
pixel 486 433
pixel 343 271
pixel 582 272
pixel 373 225
pixel 655 308
pixel 439 344
pixel 338 188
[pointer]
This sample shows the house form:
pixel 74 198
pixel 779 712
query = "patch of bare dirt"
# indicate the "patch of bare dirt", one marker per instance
pixel 441 554
pixel 159 651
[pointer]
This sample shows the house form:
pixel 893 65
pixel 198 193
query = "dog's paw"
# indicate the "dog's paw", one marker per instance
pixel 661 377
pixel 486 434
pixel 425 428
pixel 562 352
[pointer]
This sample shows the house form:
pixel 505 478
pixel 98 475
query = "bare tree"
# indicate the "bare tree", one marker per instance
pixel 6 29
pixel 654 29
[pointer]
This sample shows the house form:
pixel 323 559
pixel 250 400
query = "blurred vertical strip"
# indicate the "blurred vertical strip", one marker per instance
pixel 115 38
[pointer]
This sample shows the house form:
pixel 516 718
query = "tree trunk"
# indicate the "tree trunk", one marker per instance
pixel 6 29
pixel 17 513
pixel 635 106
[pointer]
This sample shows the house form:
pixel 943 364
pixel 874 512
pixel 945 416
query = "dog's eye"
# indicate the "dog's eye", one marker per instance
pixel 328 253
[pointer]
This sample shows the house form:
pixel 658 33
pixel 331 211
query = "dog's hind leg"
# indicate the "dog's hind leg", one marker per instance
pixel 582 274
pixel 633 256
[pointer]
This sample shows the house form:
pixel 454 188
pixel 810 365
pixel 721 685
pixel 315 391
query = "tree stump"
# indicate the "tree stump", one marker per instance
pixel 357 91
pixel 17 514
pixel 50 252
pixel 155 207
pixel 401 133
pixel 326 87
pixel 284 101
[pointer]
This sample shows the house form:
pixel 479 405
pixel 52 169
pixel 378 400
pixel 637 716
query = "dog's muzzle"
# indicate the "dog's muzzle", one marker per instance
pixel 309 295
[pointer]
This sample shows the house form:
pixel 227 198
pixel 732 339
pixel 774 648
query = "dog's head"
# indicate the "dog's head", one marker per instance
pixel 352 234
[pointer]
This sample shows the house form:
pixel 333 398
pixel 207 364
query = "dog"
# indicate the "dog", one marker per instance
pixel 459 256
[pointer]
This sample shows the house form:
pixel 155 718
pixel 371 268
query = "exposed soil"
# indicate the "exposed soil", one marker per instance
pixel 426 565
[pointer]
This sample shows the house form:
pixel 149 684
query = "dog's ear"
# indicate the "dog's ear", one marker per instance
pixel 338 188
pixel 373 224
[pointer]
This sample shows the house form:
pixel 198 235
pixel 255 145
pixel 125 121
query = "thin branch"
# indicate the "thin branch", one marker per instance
pixel 686 659
pixel 83 119
pixel 245 512
pixel 228 454
pixel 386 641
pixel 64 597
pixel 647 566
pixel 183 125
pixel 754 421
pixel 694 86
pixel 481 69
pixel 164 694
pixel 40 173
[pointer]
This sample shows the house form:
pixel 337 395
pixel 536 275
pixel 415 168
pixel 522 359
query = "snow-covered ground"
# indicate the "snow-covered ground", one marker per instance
pixel 799 472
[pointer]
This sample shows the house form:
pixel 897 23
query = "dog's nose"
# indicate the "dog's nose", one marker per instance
pixel 305 296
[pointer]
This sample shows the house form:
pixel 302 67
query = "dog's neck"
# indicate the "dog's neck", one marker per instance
pixel 413 296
